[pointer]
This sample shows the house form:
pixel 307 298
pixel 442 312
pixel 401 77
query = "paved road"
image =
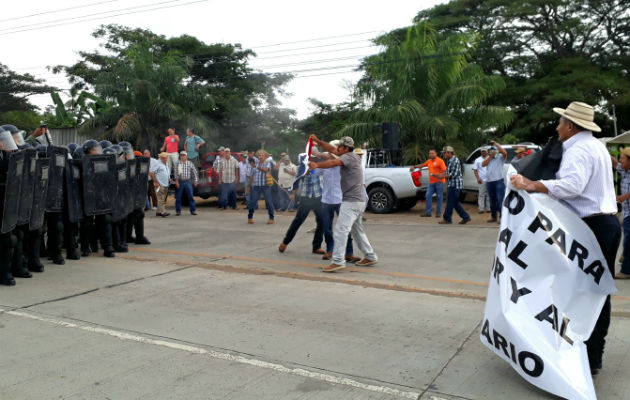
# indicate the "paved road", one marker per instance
pixel 211 310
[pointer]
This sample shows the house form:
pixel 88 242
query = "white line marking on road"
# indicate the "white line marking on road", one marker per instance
pixel 218 355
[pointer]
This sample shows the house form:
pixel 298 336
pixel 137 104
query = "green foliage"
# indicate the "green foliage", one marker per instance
pixel 550 52
pixel 327 119
pixel 154 83
pixel 16 88
pixel 25 120
pixel 426 84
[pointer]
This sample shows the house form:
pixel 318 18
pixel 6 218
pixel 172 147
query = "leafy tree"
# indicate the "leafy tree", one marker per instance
pixel 550 52
pixel 26 120
pixel 328 119
pixel 429 87
pixel 16 88
pixel 156 82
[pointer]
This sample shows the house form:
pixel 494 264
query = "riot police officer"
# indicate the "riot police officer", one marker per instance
pixel 7 240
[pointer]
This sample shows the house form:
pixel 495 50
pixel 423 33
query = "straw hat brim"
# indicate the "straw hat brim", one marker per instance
pixel 590 125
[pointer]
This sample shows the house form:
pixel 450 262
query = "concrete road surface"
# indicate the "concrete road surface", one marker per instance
pixel 212 310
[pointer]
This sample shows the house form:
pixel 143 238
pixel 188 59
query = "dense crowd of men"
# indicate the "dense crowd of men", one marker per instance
pixel 81 198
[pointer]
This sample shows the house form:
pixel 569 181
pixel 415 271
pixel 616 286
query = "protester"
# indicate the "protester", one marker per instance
pixel 171 146
pixel 454 187
pixel 243 171
pixel 186 177
pixel 152 196
pixel 483 201
pixel 286 177
pixel 259 168
pixel 352 204
pixel 228 179
pixel 160 174
pixel 192 145
pixel 494 178
pixel 436 185
pixel 309 191
pixel 584 183
pixel 623 168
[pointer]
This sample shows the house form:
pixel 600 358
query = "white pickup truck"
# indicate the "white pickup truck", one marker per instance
pixel 389 185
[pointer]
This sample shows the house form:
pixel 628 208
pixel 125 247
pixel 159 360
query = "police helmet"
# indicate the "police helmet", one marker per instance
pixel 129 153
pixel 6 141
pixel 105 144
pixel 91 146
pixel 109 150
pixel 78 153
pixel 125 144
pixel 18 135
pixel 72 147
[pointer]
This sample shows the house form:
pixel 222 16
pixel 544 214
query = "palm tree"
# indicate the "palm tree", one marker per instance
pixel 430 89
pixel 148 95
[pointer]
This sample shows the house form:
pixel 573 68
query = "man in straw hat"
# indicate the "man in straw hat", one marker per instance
pixel 584 183
pixel 352 203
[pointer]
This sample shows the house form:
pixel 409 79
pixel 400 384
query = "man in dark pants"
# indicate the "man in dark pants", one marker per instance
pixel 584 183
pixel 454 186
pixel 310 193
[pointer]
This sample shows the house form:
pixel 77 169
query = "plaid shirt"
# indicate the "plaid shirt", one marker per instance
pixel 624 187
pixel 260 177
pixel 310 185
pixel 186 171
pixel 454 171
pixel 228 170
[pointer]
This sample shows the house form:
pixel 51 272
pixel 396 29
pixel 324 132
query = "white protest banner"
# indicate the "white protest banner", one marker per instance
pixel 548 284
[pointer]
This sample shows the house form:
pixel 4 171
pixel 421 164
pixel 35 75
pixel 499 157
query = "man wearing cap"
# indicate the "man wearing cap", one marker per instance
pixel 228 179
pixel 436 185
pixel 584 183
pixel 192 145
pixel 185 178
pixel 454 186
pixel 494 178
pixel 171 146
pixel 352 204
pixel 160 176
pixel 483 201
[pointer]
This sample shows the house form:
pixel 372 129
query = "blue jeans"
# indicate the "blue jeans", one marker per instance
pixel 256 191
pixel 452 202
pixel 227 196
pixel 187 187
pixel 307 204
pixel 625 265
pixel 328 214
pixel 283 199
pixel 496 192
pixel 438 189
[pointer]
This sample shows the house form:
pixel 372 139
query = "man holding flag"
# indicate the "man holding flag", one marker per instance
pixel 352 204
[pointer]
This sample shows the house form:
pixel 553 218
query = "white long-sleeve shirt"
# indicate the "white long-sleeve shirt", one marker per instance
pixel 584 181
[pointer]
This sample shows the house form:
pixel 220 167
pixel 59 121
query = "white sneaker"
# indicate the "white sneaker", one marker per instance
pixel 154 208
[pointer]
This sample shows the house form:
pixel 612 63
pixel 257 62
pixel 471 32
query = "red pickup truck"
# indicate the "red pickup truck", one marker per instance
pixel 209 179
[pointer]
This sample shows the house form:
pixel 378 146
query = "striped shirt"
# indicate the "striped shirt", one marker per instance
pixel 624 187
pixel 584 181
pixel 260 177
pixel 227 168
pixel 310 185
pixel 186 171
pixel 454 171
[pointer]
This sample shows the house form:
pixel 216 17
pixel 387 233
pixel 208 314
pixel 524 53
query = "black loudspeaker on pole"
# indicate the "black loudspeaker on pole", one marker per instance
pixel 391 135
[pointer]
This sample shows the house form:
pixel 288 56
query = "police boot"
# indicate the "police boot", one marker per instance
pixel 6 254
pixel 18 259
pixel 55 238
pixel 84 237
pixel 129 228
pixel 105 227
pixel 32 252
pixel 70 240
pixel 138 225
pixel 119 235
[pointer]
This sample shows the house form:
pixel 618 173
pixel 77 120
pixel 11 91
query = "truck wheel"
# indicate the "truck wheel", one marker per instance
pixel 381 200
pixel 406 204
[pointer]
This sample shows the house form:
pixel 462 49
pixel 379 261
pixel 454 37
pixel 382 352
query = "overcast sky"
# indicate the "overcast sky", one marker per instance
pixel 258 25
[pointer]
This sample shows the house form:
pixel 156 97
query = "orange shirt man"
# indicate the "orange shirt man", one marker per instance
pixel 436 185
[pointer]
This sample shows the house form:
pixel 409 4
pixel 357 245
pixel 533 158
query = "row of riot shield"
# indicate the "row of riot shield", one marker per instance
pixel 93 185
